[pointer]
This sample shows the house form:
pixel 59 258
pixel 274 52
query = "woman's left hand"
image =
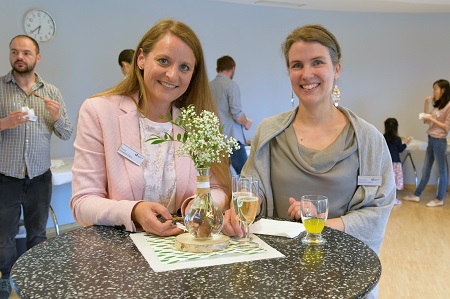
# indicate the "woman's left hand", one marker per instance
pixel 294 209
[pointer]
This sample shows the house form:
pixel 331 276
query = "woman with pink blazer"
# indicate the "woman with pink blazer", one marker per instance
pixel 118 178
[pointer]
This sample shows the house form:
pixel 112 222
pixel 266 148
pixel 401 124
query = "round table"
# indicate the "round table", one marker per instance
pixel 103 262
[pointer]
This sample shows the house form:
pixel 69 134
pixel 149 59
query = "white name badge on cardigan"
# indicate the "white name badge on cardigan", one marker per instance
pixel 369 180
pixel 131 154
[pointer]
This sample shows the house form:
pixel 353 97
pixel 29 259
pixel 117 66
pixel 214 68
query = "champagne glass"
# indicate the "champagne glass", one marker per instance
pixel 314 213
pixel 247 204
pixel 234 195
pixel 15 106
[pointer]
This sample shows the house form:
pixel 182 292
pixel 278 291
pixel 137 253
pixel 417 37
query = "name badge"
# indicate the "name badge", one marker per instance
pixel 131 154
pixel 369 180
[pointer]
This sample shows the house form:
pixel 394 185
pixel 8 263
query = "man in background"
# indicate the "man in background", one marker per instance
pixel 30 111
pixel 125 59
pixel 227 95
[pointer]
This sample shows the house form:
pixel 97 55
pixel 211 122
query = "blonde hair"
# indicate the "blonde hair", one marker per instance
pixel 197 93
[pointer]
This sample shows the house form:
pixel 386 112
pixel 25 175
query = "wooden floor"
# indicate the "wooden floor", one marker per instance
pixel 415 255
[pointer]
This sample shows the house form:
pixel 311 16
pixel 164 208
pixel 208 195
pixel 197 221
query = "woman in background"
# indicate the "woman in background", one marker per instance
pixel 168 72
pixel 396 146
pixel 439 125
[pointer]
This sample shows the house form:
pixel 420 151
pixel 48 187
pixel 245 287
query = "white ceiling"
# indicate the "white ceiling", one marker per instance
pixel 384 6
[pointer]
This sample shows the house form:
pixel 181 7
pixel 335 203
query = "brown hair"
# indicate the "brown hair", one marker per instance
pixel 126 56
pixel 313 33
pixel 225 63
pixel 36 45
pixel 445 97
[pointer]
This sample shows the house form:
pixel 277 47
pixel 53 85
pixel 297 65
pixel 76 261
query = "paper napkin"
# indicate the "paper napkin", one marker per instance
pixel 422 115
pixel 277 228
pixel 57 163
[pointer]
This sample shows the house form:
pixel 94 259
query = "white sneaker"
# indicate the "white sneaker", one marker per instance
pixel 397 202
pixel 432 203
pixel 411 198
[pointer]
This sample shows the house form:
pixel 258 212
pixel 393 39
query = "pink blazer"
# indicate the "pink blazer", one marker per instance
pixel 106 186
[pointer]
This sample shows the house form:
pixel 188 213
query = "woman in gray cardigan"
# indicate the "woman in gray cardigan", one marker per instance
pixel 321 148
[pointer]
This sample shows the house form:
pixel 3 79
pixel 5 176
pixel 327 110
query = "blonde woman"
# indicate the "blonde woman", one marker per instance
pixel 168 72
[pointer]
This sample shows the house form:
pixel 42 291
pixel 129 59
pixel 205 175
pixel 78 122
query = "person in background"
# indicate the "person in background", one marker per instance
pixel 227 95
pixel 439 125
pixel 167 73
pixel 320 148
pixel 125 60
pixel 30 111
pixel 396 146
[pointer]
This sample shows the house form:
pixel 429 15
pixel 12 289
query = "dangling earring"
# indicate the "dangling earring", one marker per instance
pixel 336 96
pixel 292 99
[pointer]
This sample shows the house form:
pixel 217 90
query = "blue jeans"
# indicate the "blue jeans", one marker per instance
pixel 436 150
pixel 238 158
pixel 34 196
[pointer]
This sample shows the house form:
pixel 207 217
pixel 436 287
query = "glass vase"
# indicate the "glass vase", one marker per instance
pixel 204 219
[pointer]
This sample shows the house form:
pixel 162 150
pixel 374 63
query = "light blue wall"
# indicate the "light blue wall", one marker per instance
pixel 389 60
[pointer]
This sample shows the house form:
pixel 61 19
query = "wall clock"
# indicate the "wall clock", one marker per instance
pixel 40 25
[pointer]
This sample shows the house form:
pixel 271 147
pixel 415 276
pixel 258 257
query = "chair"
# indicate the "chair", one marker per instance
pixel 55 221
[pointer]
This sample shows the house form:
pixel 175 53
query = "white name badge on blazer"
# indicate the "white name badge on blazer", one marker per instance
pixel 369 180
pixel 131 154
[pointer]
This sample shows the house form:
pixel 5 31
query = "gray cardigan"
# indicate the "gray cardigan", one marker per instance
pixel 368 211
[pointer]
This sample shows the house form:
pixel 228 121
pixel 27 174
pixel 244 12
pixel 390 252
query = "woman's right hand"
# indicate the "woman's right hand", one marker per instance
pixel 232 226
pixel 145 213
pixel 429 99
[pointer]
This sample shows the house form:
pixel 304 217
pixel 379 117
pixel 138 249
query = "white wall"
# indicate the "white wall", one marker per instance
pixel 389 60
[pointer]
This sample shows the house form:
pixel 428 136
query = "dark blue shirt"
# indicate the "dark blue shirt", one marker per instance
pixel 395 148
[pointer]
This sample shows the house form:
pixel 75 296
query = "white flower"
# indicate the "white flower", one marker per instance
pixel 202 140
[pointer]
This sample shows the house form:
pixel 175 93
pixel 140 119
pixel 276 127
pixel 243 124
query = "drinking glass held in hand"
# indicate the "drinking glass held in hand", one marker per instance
pixel 247 204
pixel 314 213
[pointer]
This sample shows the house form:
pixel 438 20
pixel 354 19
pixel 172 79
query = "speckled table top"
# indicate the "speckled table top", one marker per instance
pixel 103 262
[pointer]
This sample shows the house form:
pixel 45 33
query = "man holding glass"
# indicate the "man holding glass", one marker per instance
pixel 30 111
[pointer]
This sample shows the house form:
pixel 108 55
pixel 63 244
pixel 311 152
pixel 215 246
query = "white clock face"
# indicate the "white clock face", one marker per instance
pixel 40 25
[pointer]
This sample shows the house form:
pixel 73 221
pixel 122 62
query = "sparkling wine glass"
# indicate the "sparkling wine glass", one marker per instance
pixel 314 213
pixel 247 204
pixel 234 195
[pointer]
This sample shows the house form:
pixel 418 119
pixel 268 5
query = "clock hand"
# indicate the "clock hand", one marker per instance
pixel 37 28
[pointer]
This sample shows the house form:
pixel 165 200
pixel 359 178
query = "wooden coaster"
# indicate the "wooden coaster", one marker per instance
pixel 185 242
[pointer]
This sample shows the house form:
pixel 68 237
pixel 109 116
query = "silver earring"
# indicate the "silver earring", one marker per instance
pixel 140 67
pixel 336 96
pixel 292 99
